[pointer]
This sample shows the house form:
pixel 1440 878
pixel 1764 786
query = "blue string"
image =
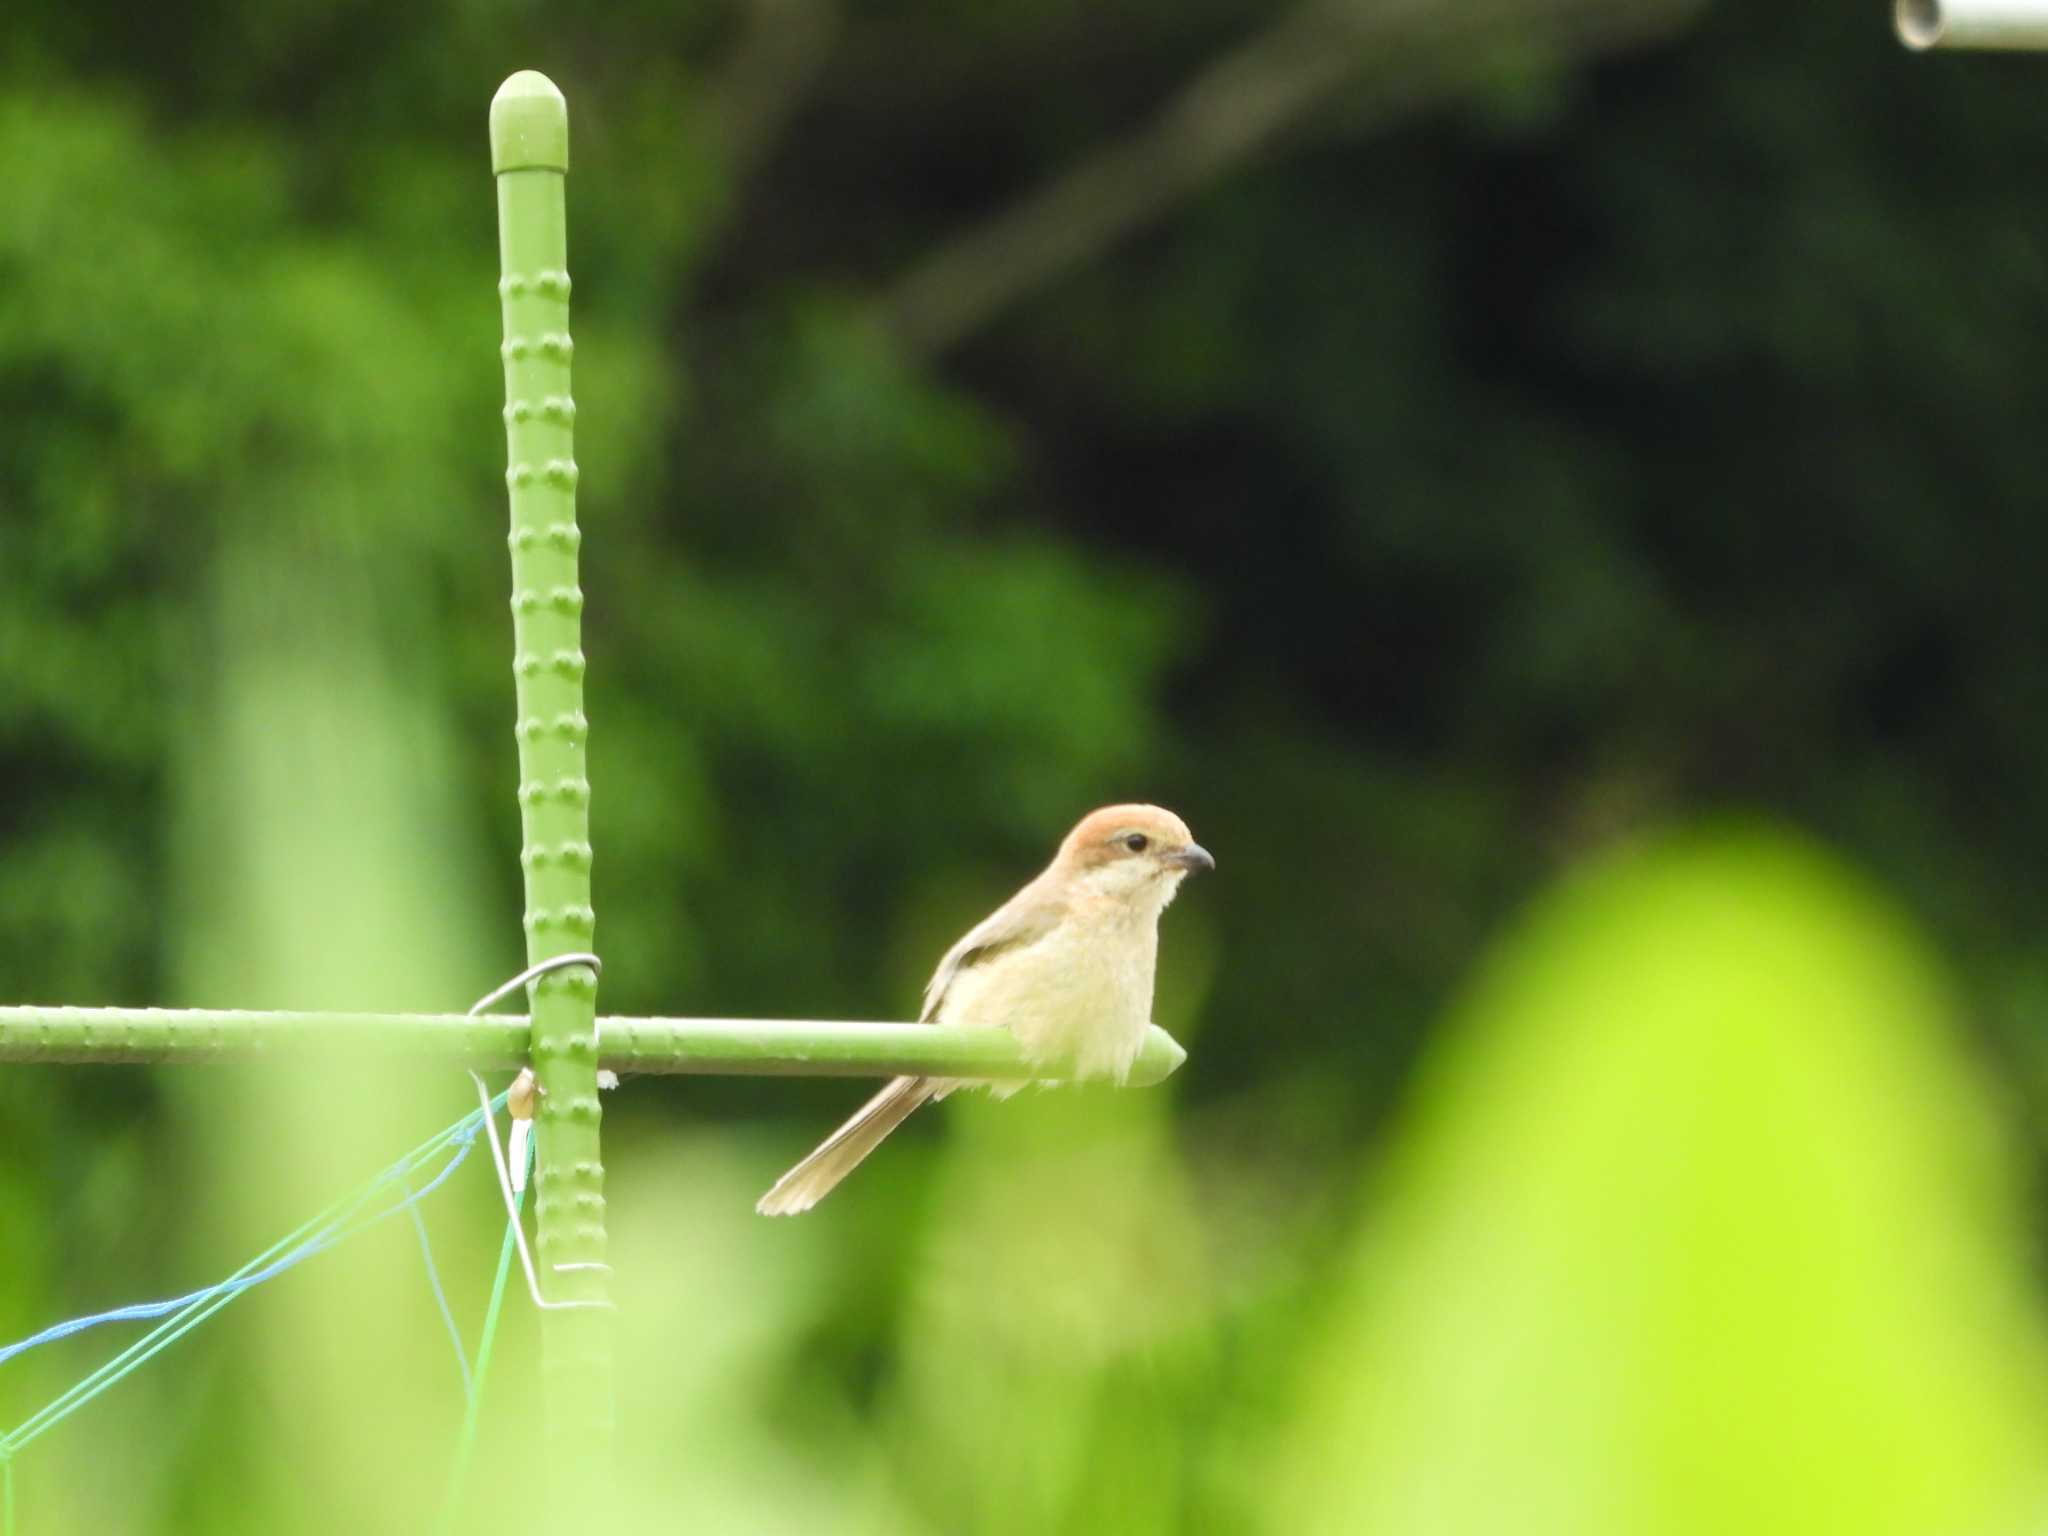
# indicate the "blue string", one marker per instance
pixel 462 1134
pixel 419 1225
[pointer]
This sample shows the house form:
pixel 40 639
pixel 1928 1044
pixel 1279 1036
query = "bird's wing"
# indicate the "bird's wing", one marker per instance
pixel 1020 922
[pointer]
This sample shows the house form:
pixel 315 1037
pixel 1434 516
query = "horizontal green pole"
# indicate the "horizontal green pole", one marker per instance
pixel 733 1047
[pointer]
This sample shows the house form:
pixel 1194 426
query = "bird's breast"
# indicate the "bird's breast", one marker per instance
pixel 1082 994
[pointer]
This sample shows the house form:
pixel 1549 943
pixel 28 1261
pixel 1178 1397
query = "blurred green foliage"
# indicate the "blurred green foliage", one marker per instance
pixel 1698 1227
pixel 1424 508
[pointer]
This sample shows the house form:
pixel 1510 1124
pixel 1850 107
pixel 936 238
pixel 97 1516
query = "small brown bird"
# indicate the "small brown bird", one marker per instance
pixel 1065 965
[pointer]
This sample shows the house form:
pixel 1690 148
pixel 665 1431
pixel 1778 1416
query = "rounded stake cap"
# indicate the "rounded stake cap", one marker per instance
pixel 529 125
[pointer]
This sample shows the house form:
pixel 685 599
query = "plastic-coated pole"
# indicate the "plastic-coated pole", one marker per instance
pixel 2021 24
pixel 733 1047
pixel 794 1048
pixel 530 157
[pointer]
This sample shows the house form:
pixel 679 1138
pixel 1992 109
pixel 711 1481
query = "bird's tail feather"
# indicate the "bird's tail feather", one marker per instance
pixel 841 1152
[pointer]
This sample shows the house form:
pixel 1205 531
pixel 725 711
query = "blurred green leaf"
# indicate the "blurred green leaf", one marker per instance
pixel 1701 1226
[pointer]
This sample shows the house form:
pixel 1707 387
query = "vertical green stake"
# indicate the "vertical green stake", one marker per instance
pixel 530 155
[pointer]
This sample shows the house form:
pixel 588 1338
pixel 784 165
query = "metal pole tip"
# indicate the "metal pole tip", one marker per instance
pixel 1919 23
pixel 529 125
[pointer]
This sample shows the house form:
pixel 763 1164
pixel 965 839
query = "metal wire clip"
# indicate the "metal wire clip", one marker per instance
pixel 506 1186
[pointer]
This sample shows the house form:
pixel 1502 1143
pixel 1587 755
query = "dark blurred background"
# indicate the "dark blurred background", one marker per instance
pixel 1573 458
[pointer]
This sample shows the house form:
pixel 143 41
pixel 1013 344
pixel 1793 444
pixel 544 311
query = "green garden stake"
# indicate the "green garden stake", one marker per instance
pixel 530 157
pixel 67 1036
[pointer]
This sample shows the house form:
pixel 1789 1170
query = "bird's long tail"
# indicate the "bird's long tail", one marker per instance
pixel 840 1153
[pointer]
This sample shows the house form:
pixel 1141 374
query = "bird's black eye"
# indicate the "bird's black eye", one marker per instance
pixel 1137 842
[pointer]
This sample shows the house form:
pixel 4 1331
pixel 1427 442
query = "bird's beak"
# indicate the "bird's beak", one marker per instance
pixel 1192 857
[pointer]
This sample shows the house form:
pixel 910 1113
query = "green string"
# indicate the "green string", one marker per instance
pixel 181 1323
pixel 465 1447
pixel 328 1227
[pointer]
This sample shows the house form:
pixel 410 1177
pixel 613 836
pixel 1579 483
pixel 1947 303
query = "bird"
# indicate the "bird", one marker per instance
pixel 1065 965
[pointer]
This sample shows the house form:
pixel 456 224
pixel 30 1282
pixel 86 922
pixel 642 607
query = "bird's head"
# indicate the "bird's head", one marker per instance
pixel 1136 853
